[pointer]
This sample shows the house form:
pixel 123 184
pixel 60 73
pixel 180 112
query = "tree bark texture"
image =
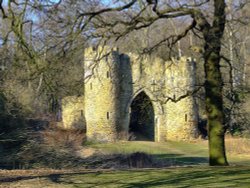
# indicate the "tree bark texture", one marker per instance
pixel 213 86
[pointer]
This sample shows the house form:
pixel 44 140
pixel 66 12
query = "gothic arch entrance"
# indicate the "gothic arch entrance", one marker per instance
pixel 142 125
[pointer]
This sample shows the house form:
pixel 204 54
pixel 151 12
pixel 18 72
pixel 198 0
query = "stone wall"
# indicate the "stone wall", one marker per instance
pixel 73 113
pixel 101 96
pixel 114 79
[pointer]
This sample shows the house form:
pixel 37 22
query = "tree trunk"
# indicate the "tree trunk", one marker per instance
pixel 214 107
pixel 214 83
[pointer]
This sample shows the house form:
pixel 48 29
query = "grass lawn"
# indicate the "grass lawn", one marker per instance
pixel 172 177
pixel 188 168
pixel 180 153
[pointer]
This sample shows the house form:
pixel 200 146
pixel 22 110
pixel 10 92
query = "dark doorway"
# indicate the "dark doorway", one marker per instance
pixel 141 125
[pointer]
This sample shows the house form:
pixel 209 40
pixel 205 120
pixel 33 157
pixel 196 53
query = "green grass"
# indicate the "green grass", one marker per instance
pixel 169 147
pixel 190 169
pixel 178 177
pixel 179 153
pixel 172 177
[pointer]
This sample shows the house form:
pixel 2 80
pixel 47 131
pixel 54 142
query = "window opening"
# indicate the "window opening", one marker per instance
pixel 186 117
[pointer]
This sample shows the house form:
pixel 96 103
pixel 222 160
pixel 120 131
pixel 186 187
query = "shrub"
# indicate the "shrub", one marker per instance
pixel 53 147
pixel 13 134
pixel 238 145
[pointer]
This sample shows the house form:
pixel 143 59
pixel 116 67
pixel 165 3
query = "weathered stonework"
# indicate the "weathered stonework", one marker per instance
pixel 114 81
pixel 73 113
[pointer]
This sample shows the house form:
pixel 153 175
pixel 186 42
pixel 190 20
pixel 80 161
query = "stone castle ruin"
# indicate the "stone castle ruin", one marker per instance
pixel 128 97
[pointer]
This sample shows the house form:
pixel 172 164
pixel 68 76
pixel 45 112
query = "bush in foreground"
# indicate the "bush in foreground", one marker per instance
pixel 53 148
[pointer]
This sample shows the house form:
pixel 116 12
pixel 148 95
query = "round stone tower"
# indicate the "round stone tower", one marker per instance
pixel 101 94
pixel 181 110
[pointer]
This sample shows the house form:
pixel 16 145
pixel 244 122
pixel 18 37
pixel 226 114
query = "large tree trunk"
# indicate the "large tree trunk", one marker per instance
pixel 214 107
pixel 213 86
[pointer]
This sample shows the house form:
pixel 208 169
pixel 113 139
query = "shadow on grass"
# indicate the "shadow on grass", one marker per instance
pixel 142 160
pixel 194 178
pixel 180 160
pixel 175 177
pixel 136 160
pixel 169 177
pixel 53 177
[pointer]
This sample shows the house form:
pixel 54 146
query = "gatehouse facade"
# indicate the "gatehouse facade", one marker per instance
pixel 130 97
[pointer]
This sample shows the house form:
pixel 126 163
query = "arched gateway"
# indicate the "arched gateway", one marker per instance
pixel 126 95
pixel 142 118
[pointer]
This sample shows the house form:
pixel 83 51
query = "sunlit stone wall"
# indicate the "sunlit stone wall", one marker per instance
pixel 113 80
pixel 73 113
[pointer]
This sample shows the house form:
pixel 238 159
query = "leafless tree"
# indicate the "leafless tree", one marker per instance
pixel 113 22
pixel 209 27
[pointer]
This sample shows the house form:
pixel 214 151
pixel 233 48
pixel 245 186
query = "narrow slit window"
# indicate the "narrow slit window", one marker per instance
pixel 81 113
pixel 90 85
pixel 107 74
pixel 186 117
pixel 107 115
pixel 141 67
